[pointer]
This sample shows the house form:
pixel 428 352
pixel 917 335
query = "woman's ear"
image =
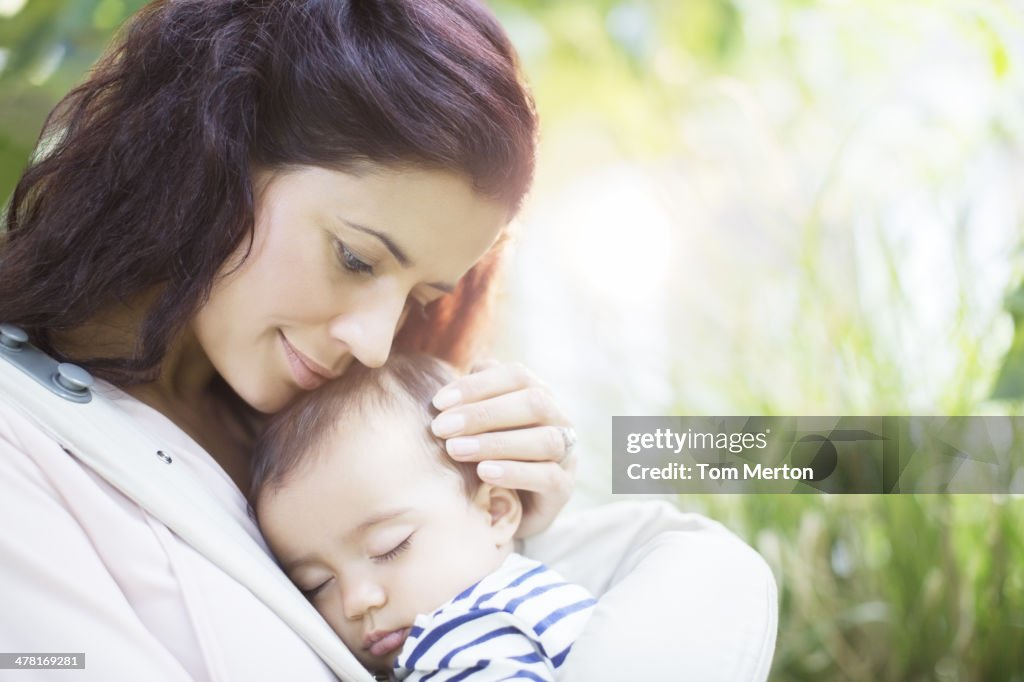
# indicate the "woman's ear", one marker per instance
pixel 503 507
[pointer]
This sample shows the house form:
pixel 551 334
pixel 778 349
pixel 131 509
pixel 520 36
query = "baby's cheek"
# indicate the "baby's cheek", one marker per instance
pixel 434 591
pixel 341 626
pixel 354 645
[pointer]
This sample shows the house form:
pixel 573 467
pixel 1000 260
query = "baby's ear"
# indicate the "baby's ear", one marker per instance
pixel 504 508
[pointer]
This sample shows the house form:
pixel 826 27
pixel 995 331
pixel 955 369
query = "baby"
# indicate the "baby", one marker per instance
pixel 406 553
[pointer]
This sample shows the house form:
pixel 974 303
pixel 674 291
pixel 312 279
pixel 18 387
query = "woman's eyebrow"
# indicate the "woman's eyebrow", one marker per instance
pixel 394 248
pixel 397 251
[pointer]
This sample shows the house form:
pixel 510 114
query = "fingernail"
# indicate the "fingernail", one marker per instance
pixel 448 425
pixel 459 447
pixel 447 397
pixel 490 471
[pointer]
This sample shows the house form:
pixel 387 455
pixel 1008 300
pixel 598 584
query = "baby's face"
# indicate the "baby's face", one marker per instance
pixel 377 531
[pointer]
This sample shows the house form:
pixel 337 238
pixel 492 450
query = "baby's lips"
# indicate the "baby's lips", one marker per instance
pixel 382 643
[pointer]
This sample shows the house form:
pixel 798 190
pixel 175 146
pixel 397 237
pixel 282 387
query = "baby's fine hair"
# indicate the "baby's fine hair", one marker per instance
pixel 407 382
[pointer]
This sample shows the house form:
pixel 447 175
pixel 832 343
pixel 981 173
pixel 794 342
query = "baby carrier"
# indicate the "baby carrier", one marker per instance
pixel 720 626
pixel 59 399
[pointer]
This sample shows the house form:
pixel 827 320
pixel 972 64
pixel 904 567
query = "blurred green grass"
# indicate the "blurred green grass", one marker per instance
pixel 907 587
pixel 871 587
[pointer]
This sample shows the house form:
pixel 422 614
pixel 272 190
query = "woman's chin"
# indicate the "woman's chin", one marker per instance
pixel 268 401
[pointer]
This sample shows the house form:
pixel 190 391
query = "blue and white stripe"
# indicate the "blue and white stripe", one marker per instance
pixel 518 623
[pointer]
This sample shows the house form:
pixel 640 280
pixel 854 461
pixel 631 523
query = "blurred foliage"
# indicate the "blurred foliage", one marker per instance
pixel 872 587
pixel 908 587
pixel 46 46
pixel 1010 384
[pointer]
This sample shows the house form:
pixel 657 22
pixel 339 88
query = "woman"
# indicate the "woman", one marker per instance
pixel 243 198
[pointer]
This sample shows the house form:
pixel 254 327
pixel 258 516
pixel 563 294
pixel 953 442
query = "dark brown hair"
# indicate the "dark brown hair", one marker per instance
pixel 297 434
pixel 142 179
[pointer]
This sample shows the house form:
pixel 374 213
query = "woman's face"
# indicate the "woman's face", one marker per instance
pixel 336 261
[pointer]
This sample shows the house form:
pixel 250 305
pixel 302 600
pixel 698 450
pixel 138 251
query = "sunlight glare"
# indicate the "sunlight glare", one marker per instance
pixel 617 235
pixel 10 8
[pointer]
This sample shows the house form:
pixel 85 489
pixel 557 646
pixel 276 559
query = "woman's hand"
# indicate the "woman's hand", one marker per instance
pixel 506 419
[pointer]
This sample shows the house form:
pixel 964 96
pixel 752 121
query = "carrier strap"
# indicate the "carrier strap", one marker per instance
pixel 104 439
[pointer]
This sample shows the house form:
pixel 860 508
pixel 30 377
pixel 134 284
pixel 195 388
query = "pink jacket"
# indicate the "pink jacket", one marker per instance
pixel 84 569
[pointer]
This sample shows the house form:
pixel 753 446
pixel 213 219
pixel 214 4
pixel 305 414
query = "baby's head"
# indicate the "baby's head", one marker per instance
pixel 366 512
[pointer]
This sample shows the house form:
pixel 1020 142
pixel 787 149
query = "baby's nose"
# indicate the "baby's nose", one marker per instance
pixel 360 598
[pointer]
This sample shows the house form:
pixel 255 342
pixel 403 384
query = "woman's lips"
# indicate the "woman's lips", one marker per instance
pixel 307 374
pixel 384 643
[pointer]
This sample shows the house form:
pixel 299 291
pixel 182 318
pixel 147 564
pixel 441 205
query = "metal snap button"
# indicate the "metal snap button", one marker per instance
pixel 73 378
pixel 12 337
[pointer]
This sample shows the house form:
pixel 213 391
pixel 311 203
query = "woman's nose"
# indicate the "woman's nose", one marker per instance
pixel 369 329
pixel 358 597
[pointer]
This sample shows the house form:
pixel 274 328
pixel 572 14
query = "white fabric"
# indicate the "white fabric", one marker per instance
pixel 519 622
pixel 155 572
pixel 162 590
pixel 681 598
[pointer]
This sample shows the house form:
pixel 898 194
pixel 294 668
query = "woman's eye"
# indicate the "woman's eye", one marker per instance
pixel 399 548
pixel 349 260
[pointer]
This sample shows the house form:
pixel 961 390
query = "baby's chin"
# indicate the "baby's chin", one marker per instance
pixel 379 666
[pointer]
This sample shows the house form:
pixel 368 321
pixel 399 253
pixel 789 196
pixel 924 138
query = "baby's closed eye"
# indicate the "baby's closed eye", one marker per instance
pixel 392 553
pixel 312 592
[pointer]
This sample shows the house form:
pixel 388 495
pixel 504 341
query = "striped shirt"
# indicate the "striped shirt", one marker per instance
pixel 518 623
